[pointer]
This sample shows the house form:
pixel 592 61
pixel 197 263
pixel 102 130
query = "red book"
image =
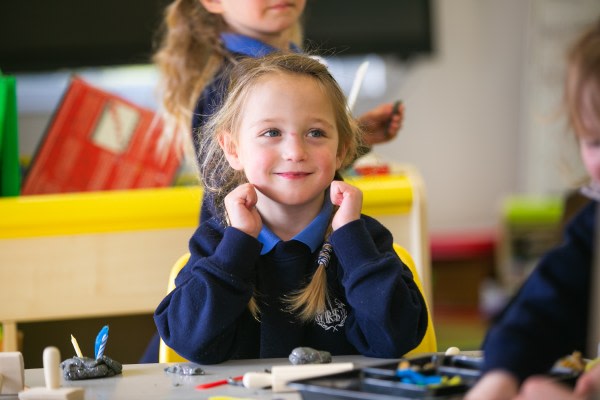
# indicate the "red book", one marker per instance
pixel 97 140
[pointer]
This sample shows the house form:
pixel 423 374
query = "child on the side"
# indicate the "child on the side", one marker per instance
pixel 288 259
pixel 548 318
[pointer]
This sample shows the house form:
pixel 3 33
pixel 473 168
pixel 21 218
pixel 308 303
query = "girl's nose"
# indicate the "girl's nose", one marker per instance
pixel 294 148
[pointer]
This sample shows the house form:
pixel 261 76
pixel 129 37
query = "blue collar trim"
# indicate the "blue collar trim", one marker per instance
pixel 312 235
pixel 248 46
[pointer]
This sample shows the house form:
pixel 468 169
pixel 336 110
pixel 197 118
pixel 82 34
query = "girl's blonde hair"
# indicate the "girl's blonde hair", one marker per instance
pixel 219 179
pixel 188 56
pixel 582 84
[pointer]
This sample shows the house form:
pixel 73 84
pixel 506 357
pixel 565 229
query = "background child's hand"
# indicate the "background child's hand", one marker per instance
pixel 241 209
pixel 381 124
pixel 495 385
pixel 349 200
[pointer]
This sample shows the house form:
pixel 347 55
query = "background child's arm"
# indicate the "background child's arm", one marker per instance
pixel 382 123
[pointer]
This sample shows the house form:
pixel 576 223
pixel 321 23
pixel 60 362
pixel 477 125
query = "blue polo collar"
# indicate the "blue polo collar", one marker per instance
pixel 312 235
pixel 248 46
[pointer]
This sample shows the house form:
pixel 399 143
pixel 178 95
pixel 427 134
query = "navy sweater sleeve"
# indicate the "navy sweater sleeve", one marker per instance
pixel 547 319
pixel 388 316
pixel 201 318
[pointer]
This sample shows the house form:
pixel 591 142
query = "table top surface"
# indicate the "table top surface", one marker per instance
pixel 150 381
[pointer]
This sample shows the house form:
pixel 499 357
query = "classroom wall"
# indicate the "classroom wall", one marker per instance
pixel 467 127
pixel 483 114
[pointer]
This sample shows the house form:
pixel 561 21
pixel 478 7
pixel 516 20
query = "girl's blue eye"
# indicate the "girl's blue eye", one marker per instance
pixel 272 133
pixel 316 133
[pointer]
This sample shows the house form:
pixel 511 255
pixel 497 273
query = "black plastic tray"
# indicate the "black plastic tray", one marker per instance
pixel 380 381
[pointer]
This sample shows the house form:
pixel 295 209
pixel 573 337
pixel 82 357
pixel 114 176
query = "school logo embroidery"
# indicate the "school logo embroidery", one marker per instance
pixel 333 318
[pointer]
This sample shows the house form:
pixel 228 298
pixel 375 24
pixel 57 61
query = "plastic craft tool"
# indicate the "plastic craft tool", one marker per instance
pixel 282 374
pixel 221 382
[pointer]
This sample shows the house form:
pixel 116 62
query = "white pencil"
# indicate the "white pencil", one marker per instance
pixel 358 80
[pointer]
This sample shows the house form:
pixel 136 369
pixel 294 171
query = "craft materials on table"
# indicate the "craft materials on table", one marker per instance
pixel 100 344
pixel 186 369
pixel 76 347
pixel 308 355
pixel 220 382
pixel 282 374
pixel 52 391
pixel 101 366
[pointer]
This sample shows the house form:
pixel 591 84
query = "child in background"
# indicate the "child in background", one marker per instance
pixel 203 38
pixel 548 318
pixel 287 260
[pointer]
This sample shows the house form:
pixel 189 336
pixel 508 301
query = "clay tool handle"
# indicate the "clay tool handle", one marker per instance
pixel 51 360
pixel 282 374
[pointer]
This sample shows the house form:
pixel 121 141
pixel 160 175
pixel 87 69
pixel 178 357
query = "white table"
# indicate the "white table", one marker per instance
pixel 150 381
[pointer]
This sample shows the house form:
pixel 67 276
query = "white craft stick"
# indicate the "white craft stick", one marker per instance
pixel 356 85
pixel 282 374
pixel 52 390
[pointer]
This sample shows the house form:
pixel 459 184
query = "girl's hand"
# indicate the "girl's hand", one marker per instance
pixel 349 200
pixel 588 384
pixel 381 124
pixel 495 385
pixel 542 387
pixel 241 209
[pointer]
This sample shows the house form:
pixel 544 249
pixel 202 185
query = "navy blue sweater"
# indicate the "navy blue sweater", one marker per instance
pixel 548 317
pixel 377 310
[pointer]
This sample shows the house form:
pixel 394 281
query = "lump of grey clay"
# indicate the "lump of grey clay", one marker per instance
pixel 308 355
pixel 185 369
pixel 78 368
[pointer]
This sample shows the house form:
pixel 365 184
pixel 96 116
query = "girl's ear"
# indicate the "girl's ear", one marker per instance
pixel 229 147
pixel 212 6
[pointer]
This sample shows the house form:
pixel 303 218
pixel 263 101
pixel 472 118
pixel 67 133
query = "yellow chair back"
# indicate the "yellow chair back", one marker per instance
pixel 427 345
pixel 165 353
pixel 429 342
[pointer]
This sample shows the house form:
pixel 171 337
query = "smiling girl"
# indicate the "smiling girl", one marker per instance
pixel 288 259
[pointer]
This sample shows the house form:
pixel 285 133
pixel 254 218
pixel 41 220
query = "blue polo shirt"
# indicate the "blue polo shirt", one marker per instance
pixel 248 46
pixel 312 235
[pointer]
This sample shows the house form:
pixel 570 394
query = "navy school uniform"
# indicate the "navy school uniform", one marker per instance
pixel 548 318
pixel 376 308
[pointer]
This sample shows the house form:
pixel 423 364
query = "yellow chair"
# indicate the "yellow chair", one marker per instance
pixel 429 342
pixel 165 353
pixel 427 345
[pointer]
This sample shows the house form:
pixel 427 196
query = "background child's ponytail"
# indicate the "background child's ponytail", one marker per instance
pixel 188 55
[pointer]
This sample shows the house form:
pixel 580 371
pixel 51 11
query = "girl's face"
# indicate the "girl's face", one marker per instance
pixel 590 154
pixel 287 140
pixel 260 19
pixel 588 127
